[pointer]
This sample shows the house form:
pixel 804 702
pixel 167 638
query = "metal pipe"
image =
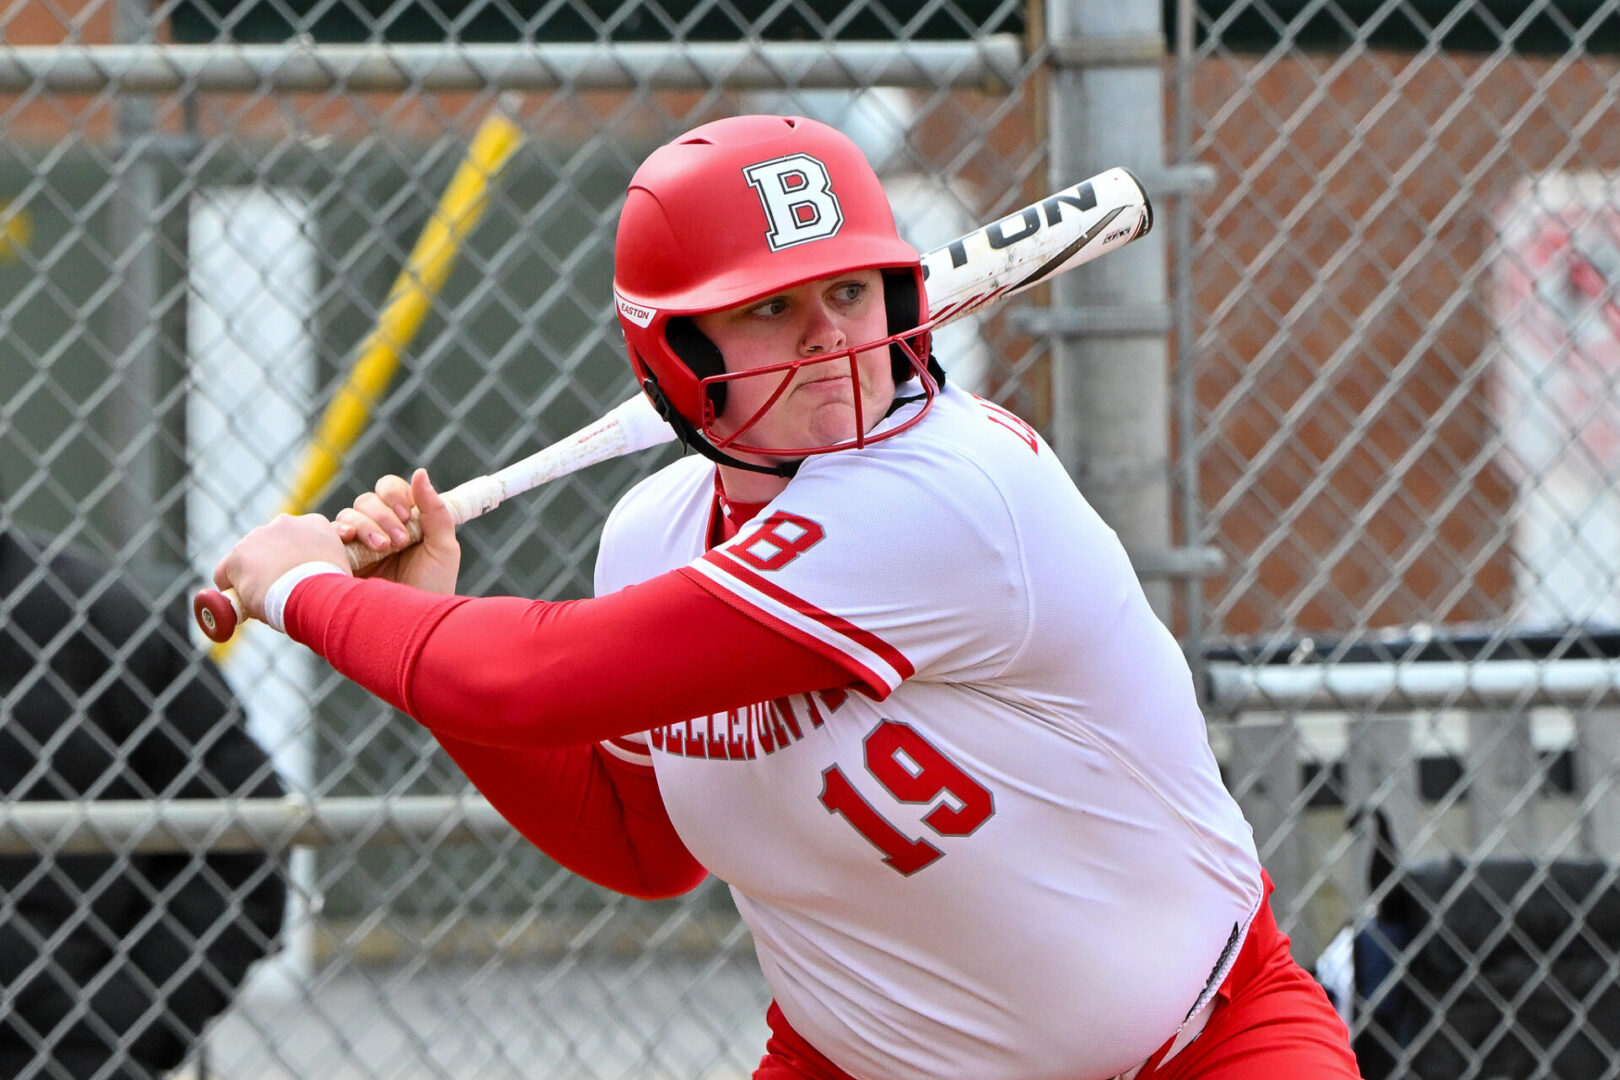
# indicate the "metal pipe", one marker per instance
pixel 990 64
pixel 86 827
pixel 1496 684
pixel 133 321
pixel 192 825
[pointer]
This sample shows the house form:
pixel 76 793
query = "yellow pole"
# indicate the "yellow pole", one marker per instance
pixel 419 281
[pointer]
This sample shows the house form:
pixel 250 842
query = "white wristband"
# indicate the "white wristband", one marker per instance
pixel 275 601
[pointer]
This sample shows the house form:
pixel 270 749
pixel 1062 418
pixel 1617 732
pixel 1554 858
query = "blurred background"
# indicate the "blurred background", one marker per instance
pixel 1353 406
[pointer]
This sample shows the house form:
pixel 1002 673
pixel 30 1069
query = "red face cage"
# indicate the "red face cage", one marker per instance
pixel 790 368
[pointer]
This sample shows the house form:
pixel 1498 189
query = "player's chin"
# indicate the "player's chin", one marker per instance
pixel 833 425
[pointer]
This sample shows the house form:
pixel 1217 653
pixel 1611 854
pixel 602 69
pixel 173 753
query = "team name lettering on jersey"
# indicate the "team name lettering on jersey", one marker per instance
pixel 747 733
pixel 799 203
pixel 1013 423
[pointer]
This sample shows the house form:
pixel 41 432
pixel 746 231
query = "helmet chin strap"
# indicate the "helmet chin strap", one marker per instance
pixel 690 435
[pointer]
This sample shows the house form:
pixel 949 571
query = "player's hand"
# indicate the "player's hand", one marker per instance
pixel 380 518
pixel 269 551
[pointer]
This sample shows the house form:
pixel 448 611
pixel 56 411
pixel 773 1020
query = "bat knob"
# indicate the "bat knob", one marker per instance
pixel 215 614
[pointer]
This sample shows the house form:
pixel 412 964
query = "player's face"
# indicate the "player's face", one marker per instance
pixel 821 317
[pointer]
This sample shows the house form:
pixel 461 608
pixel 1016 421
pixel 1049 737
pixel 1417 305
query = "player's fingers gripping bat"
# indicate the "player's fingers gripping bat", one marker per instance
pixel 989 264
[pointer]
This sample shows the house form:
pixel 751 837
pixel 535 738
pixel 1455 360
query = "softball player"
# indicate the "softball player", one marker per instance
pixel 870 658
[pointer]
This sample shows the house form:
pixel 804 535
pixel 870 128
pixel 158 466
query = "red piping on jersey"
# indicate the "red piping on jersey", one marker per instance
pixel 869 682
pixel 722 560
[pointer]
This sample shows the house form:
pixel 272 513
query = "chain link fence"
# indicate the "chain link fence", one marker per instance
pixel 1381 317
pixel 1404 361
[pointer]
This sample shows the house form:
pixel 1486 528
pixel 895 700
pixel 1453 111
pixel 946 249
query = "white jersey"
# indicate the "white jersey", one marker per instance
pixel 1010 855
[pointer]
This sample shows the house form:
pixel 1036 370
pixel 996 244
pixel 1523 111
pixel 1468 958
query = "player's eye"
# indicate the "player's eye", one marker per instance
pixel 849 292
pixel 768 308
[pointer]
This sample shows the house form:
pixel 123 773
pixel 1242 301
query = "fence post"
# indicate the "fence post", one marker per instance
pixel 1597 780
pixel 1500 765
pixel 133 415
pixel 1265 779
pixel 1110 382
pixel 1380 775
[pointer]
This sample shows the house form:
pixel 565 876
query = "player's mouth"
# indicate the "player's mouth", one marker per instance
pixel 826 383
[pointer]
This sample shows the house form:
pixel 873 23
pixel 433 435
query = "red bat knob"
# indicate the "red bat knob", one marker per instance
pixel 217 614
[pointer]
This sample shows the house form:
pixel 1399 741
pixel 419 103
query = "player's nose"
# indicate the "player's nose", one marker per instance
pixel 823 330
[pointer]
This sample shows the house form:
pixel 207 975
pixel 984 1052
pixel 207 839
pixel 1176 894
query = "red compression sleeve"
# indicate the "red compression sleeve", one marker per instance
pixel 502 671
pixel 598 816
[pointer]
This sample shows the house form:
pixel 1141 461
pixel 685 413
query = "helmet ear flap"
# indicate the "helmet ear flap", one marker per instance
pixel 904 309
pixel 700 354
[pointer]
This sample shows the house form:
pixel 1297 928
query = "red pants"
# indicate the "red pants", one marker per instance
pixel 1271 1020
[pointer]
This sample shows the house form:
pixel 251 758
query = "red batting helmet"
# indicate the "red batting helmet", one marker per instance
pixel 738 210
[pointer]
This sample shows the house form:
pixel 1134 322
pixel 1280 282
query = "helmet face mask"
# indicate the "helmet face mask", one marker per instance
pixel 736 211
pixel 786 371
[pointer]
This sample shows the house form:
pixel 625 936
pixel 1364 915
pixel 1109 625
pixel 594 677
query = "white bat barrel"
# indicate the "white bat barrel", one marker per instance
pixel 1066 228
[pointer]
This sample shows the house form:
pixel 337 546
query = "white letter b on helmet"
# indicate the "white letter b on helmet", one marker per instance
pixel 796 193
